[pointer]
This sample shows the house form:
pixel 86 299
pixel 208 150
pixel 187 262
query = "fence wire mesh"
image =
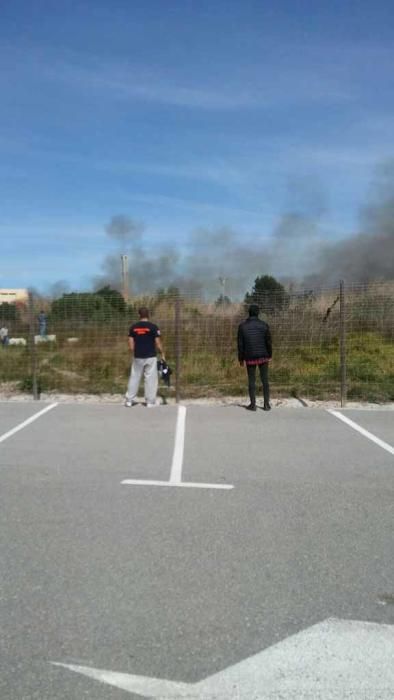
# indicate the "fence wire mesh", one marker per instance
pixel 369 321
pixel 78 343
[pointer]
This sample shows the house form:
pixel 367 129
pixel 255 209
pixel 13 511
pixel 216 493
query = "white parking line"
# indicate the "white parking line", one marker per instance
pixel 27 422
pixel 180 484
pixel 177 463
pixel 179 445
pixel 362 431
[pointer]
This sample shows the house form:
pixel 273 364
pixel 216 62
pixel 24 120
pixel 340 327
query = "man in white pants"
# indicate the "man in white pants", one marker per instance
pixel 144 342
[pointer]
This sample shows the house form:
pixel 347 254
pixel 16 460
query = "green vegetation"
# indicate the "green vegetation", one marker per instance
pixel 8 312
pixel 90 354
pixel 306 371
pixel 269 294
pixel 77 307
pixel 113 298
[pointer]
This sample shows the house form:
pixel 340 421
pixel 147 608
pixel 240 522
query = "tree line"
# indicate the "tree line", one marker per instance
pixel 106 302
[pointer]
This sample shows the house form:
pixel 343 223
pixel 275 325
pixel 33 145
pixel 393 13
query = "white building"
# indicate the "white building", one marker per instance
pixel 12 296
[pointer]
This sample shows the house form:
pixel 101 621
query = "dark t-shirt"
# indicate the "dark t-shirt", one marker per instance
pixel 144 334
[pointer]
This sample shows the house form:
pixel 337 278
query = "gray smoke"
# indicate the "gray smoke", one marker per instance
pixel 124 229
pixel 57 289
pixel 299 250
pixel 212 261
pixel 363 258
pixel 367 256
pixel 147 271
pixel 295 246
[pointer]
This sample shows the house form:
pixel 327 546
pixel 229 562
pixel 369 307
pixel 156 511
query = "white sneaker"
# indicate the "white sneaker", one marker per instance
pixel 129 404
pixel 152 405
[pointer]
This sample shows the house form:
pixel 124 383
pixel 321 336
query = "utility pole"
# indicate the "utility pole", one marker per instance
pixel 223 281
pixel 125 276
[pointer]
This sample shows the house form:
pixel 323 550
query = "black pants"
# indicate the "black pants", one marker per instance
pixel 251 370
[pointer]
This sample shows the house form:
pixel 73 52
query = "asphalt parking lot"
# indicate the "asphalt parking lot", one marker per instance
pixel 200 552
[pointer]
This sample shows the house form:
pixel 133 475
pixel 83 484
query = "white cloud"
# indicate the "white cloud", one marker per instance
pixel 278 80
pixel 269 86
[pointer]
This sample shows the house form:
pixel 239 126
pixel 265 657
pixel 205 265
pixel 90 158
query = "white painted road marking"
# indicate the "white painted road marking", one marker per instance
pixel 362 431
pixel 181 484
pixel 333 660
pixel 27 422
pixel 177 463
pixel 179 445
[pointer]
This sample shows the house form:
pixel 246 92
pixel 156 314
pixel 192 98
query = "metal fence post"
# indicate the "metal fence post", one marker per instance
pixel 32 348
pixel 177 349
pixel 342 341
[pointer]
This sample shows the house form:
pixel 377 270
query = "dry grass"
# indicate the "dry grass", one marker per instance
pixel 302 369
pixel 305 341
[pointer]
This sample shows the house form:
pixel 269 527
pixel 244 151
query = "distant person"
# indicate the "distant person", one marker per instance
pixel 255 350
pixel 4 339
pixel 42 323
pixel 144 342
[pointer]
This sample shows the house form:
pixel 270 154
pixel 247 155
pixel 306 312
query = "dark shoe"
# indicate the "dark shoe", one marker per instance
pixel 266 407
pixel 251 407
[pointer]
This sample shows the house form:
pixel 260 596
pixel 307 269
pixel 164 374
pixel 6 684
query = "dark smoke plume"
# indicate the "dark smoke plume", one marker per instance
pixel 363 258
pixel 208 257
pixel 367 256
pixel 124 229
pixel 222 261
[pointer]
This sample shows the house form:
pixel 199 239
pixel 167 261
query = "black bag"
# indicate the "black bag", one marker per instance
pixel 164 372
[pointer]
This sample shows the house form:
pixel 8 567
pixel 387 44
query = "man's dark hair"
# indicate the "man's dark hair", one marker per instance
pixel 143 312
pixel 254 310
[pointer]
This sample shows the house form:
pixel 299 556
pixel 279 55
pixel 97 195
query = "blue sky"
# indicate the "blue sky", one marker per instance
pixel 184 115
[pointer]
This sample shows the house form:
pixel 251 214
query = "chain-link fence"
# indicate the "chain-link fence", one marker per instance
pixel 327 343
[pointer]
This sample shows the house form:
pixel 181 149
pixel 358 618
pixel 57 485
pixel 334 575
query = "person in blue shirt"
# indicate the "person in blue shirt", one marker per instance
pixel 42 323
pixel 144 342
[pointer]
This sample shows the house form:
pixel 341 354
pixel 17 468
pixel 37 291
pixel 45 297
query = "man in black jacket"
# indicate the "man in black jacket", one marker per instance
pixel 255 350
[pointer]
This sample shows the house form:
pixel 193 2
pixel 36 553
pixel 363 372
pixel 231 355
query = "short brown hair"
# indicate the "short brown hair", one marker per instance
pixel 143 312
